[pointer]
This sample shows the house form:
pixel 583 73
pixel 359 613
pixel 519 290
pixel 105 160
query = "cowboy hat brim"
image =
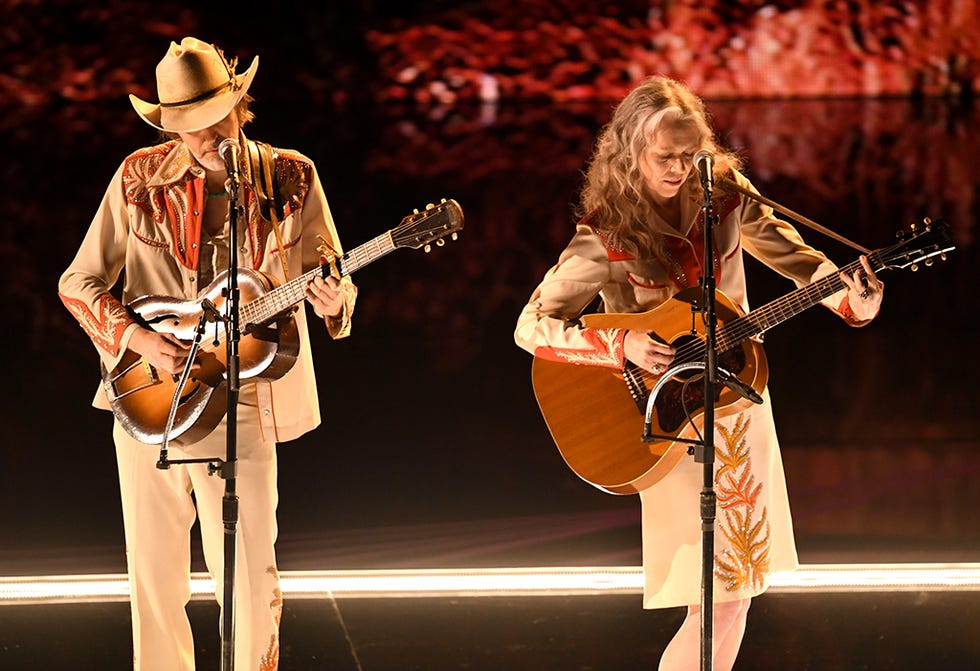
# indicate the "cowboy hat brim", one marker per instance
pixel 198 115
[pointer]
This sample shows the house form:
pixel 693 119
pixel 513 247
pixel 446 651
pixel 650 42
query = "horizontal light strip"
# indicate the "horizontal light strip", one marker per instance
pixel 547 581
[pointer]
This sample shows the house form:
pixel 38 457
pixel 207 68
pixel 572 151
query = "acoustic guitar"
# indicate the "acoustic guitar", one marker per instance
pixel 597 416
pixel 141 397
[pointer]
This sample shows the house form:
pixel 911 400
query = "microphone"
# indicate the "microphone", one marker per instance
pixel 739 387
pixel 228 150
pixel 704 161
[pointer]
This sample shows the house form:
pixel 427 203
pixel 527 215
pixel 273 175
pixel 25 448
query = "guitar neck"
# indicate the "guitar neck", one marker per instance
pixel 360 256
pixel 776 312
pixel 293 292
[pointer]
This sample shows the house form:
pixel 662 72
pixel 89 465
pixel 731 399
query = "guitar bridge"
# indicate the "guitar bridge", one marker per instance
pixel 633 377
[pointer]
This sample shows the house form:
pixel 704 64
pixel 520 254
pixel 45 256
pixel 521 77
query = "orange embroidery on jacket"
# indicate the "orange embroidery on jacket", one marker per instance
pixel 613 253
pixel 106 329
pixel 139 168
pixel 180 199
pixel 607 349
pixel 184 222
pixel 292 177
pixel 151 243
pixel 171 202
pixel 746 564
pixel 684 256
pixel 617 254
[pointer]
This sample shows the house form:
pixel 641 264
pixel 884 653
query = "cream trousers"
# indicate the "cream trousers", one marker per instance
pixel 158 513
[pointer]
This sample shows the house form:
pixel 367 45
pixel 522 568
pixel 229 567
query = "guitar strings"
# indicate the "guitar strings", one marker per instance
pixel 258 311
pixel 270 304
pixel 749 324
pixel 262 309
pixel 266 307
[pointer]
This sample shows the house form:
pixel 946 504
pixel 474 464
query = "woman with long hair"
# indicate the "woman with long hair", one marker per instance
pixel 638 242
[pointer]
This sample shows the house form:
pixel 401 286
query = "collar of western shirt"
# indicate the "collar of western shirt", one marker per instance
pixel 178 162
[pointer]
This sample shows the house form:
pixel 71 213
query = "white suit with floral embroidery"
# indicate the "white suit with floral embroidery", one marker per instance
pixel 150 224
pixel 754 532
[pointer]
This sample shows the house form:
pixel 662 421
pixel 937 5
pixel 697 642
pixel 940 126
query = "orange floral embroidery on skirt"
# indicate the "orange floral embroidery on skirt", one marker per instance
pixel 745 564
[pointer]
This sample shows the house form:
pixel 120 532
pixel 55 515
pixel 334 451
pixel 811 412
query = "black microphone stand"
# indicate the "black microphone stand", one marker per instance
pixel 228 470
pixel 704 449
pixel 704 453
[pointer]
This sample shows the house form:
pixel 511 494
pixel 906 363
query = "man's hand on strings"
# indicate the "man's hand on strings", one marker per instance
pixel 163 351
pixel 649 354
pixel 864 291
pixel 326 296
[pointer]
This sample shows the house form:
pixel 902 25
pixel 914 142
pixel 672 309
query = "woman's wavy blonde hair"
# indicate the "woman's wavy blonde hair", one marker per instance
pixel 614 193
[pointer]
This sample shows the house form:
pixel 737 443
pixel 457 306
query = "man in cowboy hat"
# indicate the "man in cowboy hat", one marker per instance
pixel 164 219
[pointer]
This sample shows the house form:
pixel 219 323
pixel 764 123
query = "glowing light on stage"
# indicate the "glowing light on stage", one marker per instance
pixel 530 582
pixel 879 578
pixel 466 582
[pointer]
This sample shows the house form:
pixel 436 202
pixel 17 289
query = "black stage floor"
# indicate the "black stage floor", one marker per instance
pixel 896 631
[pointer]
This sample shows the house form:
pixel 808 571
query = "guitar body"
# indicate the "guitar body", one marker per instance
pixel 141 396
pixel 597 415
pixel 598 424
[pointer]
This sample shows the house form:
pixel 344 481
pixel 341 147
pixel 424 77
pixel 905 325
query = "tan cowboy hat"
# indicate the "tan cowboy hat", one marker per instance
pixel 196 86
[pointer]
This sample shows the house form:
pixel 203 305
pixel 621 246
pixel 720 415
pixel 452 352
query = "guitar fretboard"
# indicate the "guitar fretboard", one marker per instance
pixel 775 312
pixel 291 293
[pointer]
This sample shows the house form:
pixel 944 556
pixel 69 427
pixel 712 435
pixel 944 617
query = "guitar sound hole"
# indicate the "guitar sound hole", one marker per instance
pixel 689 392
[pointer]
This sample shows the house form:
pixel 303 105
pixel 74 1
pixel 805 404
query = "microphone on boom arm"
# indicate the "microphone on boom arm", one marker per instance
pixel 704 161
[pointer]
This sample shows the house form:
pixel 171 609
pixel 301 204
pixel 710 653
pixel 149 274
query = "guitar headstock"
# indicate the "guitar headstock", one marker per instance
pixel 433 224
pixel 920 244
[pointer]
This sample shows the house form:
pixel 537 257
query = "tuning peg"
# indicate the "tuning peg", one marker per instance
pixel 443 200
pixel 914 267
pixel 440 242
pixel 427 249
pixel 415 211
pixel 429 206
pixel 912 227
pixel 927 221
pixel 942 255
pixel 455 236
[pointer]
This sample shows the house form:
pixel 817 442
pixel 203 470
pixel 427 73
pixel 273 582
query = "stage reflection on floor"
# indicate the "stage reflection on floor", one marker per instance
pixel 433 453
pixel 903 631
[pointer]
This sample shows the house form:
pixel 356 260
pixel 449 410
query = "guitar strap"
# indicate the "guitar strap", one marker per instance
pixel 261 163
